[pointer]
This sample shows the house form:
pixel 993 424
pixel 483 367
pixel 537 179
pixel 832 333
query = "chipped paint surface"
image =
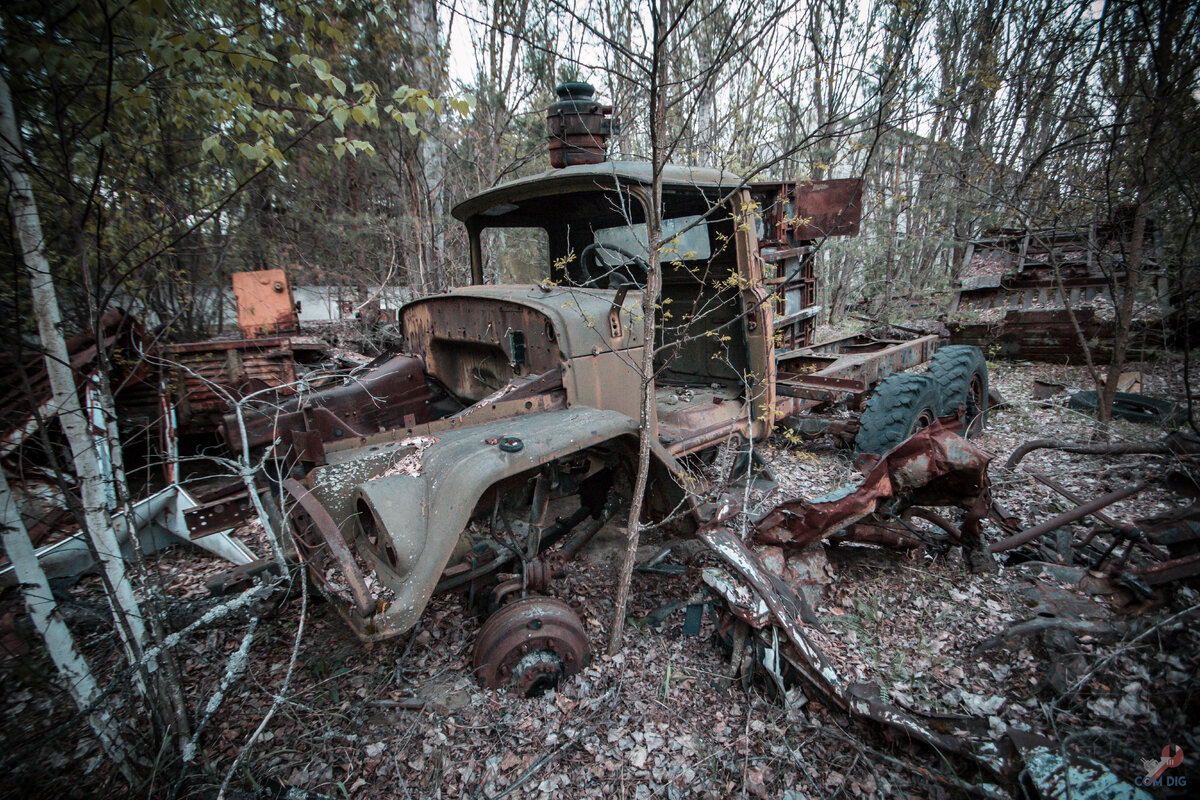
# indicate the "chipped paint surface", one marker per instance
pixel 950 733
pixel 1081 779
pixel 936 461
pixel 410 463
pixel 746 604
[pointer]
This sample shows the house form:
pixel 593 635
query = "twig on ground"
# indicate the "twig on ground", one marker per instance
pixel 1102 663
pixel 1166 447
pixel 541 762
pixel 279 696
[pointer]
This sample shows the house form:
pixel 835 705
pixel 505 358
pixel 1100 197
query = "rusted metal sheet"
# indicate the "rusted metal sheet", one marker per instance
pixel 218 515
pixel 935 466
pixel 1019 267
pixel 844 369
pixel 689 416
pixel 206 376
pixel 265 306
pixel 949 733
pixel 221 345
pixel 518 389
pixel 795 217
pixel 819 388
pixel 1018 285
pixel 1045 336
pixel 804 211
pixel 395 394
pixel 22 403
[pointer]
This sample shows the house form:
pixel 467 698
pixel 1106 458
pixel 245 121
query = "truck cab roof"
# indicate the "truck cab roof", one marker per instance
pixel 496 203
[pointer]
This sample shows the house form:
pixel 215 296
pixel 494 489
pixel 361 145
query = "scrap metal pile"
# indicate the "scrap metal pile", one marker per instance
pixel 163 394
pixel 773 574
pixel 483 457
pixel 773 567
pixel 1018 283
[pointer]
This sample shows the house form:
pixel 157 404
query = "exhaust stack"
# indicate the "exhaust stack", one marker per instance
pixel 578 126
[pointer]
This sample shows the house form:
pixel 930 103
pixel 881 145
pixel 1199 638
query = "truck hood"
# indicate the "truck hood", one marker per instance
pixel 577 319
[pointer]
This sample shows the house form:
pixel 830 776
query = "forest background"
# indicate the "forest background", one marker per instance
pixel 173 143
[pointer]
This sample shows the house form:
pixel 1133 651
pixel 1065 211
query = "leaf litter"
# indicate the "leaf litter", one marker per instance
pixel 660 718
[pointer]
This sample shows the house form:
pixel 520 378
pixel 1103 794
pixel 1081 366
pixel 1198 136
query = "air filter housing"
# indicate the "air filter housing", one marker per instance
pixel 578 126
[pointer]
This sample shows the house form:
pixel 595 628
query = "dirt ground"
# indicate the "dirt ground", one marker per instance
pixel 660 719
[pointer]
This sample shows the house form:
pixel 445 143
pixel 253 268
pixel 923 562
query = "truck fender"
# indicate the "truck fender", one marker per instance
pixel 421 502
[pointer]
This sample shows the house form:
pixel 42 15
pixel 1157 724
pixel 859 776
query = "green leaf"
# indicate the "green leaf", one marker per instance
pixel 339 116
pixel 462 105
pixel 252 153
pixel 210 142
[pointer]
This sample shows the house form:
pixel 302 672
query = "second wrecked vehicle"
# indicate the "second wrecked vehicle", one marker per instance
pixel 512 420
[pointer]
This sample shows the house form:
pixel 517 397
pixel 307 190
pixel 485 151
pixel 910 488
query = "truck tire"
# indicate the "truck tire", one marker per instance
pixel 902 405
pixel 1133 407
pixel 961 374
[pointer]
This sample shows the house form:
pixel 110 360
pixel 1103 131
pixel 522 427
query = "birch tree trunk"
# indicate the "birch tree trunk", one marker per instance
pixel 429 73
pixel 76 675
pixel 23 208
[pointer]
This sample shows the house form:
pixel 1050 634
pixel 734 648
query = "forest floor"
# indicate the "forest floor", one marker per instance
pixel 659 719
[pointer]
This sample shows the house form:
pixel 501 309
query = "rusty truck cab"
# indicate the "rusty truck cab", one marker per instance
pixel 576 237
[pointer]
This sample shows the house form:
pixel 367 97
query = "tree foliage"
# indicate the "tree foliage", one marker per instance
pixel 168 137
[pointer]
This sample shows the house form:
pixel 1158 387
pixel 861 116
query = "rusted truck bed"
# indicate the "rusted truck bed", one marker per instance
pixel 844 370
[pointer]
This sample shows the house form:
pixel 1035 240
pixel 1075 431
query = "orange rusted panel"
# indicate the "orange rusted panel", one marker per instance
pixel 264 303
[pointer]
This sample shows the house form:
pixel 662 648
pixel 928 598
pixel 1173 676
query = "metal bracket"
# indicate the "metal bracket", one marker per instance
pixel 614 312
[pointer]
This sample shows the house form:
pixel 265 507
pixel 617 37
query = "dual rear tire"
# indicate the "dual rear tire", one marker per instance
pixel 955 384
pixel 961 374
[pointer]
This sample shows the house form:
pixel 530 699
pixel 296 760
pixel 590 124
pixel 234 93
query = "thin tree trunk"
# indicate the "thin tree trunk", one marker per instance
pixel 649 309
pixel 76 675
pixel 23 209
pixel 428 73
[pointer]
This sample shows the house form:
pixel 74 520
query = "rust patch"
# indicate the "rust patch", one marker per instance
pixel 936 467
pixel 265 305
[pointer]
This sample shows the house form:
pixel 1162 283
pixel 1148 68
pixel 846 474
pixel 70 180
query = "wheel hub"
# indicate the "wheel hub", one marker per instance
pixel 530 645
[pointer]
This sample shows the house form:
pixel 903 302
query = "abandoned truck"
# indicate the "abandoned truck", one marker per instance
pixel 511 421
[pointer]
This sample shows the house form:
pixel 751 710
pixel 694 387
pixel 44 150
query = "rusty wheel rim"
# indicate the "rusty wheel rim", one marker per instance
pixel 975 403
pixel 530 645
pixel 923 420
